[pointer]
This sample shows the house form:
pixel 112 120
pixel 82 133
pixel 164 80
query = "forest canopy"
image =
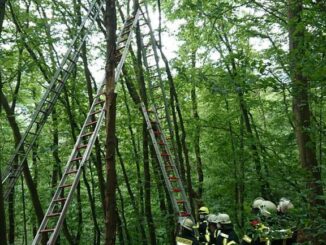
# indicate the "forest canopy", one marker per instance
pixel 242 89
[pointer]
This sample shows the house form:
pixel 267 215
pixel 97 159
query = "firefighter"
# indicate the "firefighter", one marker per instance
pixel 259 232
pixel 282 233
pixel 212 228
pixel 187 234
pixel 203 225
pixel 225 235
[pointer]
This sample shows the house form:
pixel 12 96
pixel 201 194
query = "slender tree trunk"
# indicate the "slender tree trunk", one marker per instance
pixel 197 129
pixel 28 178
pixel 3 236
pixel 134 203
pixel 110 194
pixel 302 116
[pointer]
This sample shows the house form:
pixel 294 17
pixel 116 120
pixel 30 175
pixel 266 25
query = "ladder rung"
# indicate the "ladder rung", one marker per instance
pixel 148 45
pixel 87 134
pixel 154 122
pixel 47 230
pixel 181 201
pixel 131 17
pixel 76 159
pixel 173 178
pixel 48 101
pixel 123 40
pixel 143 24
pixel 176 190
pixel 60 80
pixel 165 154
pixel 44 112
pixel 160 108
pixel 65 186
pixel 99 102
pixel 81 147
pixel 150 55
pixel 91 123
pixel 63 199
pixel 127 31
pixel 120 48
pixel 71 172
pixel 128 25
pixel 157 133
pixel 71 60
pixel 184 214
pixel 95 112
pixel 53 215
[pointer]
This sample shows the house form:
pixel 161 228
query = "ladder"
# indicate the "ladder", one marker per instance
pixel 58 207
pixel 160 127
pixel 49 99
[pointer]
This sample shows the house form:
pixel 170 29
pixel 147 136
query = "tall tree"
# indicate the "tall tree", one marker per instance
pixel 301 105
pixel 111 184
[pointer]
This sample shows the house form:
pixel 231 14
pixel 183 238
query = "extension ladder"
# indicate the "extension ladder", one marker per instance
pixel 49 99
pixel 55 214
pixel 159 125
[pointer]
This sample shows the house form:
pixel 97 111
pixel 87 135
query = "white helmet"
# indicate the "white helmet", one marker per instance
pixel 284 205
pixel 223 219
pixel 257 202
pixel 267 208
pixel 212 218
pixel 187 223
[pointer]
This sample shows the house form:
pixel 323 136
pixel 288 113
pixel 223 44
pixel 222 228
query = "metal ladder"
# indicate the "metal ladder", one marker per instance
pixel 160 127
pixel 49 99
pixel 55 214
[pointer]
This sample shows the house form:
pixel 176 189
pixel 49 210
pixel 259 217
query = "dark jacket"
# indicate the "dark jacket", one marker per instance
pixel 187 238
pixel 226 235
pixel 203 231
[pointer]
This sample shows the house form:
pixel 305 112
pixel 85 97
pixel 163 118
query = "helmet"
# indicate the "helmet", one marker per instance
pixel 267 208
pixel 187 223
pixel 203 210
pixel 212 218
pixel 284 205
pixel 257 202
pixel 223 219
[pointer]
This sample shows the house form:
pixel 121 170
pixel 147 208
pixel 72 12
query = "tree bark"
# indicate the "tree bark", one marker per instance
pixel 197 129
pixel 110 194
pixel 27 174
pixel 301 107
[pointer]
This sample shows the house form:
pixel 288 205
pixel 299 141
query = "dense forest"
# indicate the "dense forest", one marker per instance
pixel 242 84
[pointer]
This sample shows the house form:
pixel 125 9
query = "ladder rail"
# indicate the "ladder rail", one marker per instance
pixel 55 87
pixel 89 147
pixel 164 146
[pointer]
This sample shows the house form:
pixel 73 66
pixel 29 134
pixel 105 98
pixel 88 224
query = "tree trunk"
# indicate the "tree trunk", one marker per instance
pixel 110 194
pixel 27 174
pixel 302 114
pixel 197 129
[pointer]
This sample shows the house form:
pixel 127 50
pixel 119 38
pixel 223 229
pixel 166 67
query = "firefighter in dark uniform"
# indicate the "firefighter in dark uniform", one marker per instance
pixel 187 234
pixel 225 235
pixel 203 225
pixel 212 228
